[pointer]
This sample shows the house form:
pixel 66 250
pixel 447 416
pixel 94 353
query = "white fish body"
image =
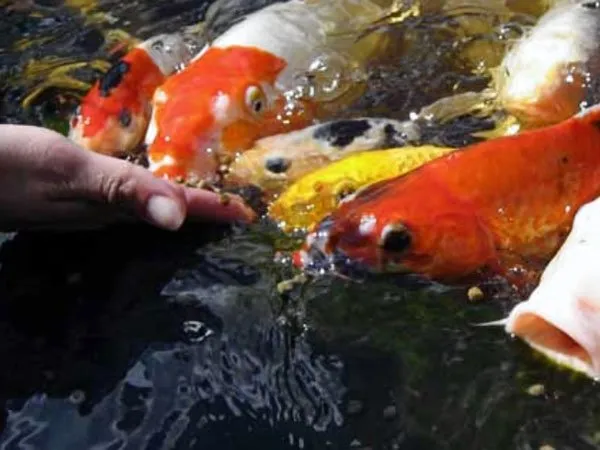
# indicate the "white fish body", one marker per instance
pixel 541 80
pixel 306 33
pixel 561 318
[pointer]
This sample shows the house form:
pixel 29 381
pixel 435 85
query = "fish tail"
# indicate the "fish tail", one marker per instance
pixel 475 7
pixel 449 108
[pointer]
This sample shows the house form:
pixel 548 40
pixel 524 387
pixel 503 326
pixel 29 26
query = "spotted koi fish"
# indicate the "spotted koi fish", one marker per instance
pixel 275 162
pixel 113 116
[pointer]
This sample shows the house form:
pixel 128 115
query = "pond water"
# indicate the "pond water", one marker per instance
pixel 132 338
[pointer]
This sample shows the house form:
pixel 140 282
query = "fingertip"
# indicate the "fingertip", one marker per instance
pixel 247 214
pixel 206 205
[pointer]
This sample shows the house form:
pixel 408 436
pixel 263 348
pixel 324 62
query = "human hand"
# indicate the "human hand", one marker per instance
pixel 48 181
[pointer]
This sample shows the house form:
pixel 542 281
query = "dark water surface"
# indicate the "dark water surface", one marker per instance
pixel 131 338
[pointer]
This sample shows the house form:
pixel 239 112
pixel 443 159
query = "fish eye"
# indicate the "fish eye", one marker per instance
pixel 255 99
pixel 158 45
pixel 277 165
pixel 125 117
pixel 591 5
pixel 395 238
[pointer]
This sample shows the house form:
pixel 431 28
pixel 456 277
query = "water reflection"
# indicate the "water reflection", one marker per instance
pixel 174 344
pixel 132 338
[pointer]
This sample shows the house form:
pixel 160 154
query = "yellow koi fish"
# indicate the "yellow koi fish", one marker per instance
pixel 315 195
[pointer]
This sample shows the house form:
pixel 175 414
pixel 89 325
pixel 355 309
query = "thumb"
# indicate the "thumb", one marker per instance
pixel 131 189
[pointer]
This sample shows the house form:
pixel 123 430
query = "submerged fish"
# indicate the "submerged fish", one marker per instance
pixel 113 116
pixel 277 161
pixel 490 208
pixel 318 193
pixel 277 70
pixel 561 318
pixel 545 76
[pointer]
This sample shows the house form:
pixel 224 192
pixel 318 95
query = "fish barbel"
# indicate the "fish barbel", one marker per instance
pixel 489 208
pixel 318 193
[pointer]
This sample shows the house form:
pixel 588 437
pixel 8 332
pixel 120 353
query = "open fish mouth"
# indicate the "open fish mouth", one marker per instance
pixel 317 259
pixel 314 257
pixel 548 336
pixel 314 261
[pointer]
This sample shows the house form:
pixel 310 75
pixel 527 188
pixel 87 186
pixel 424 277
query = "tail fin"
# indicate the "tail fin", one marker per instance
pixel 448 108
pixel 453 8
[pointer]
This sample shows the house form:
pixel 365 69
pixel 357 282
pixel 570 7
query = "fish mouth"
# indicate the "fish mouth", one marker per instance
pixel 112 139
pixel 548 338
pixel 317 258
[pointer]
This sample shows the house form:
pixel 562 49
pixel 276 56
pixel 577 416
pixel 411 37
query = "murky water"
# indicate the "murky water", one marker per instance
pixel 132 338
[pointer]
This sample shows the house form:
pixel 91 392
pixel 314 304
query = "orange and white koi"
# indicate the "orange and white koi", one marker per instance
pixel 258 79
pixel 561 318
pixel 486 209
pixel 113 116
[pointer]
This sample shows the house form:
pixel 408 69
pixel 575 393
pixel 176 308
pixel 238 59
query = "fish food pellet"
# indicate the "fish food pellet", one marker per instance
pixel 536 390
pixel 224 199
pixel 475 294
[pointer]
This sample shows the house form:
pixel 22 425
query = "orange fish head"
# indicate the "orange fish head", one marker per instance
pixel 258 110
pixel 403 235
pixel 219 106
pixel 104 130
pixel 113 116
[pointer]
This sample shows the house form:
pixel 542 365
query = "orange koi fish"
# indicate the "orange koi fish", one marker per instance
pixel 113 116
pixel 232 103
pixel 489 208
pixel 254 81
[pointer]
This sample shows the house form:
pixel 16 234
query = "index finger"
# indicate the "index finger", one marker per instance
pixel 210 206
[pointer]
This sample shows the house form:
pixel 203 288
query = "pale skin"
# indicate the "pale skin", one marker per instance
pixel 47 181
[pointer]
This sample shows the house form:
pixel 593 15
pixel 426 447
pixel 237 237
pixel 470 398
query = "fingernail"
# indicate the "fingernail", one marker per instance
pixel 164 212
